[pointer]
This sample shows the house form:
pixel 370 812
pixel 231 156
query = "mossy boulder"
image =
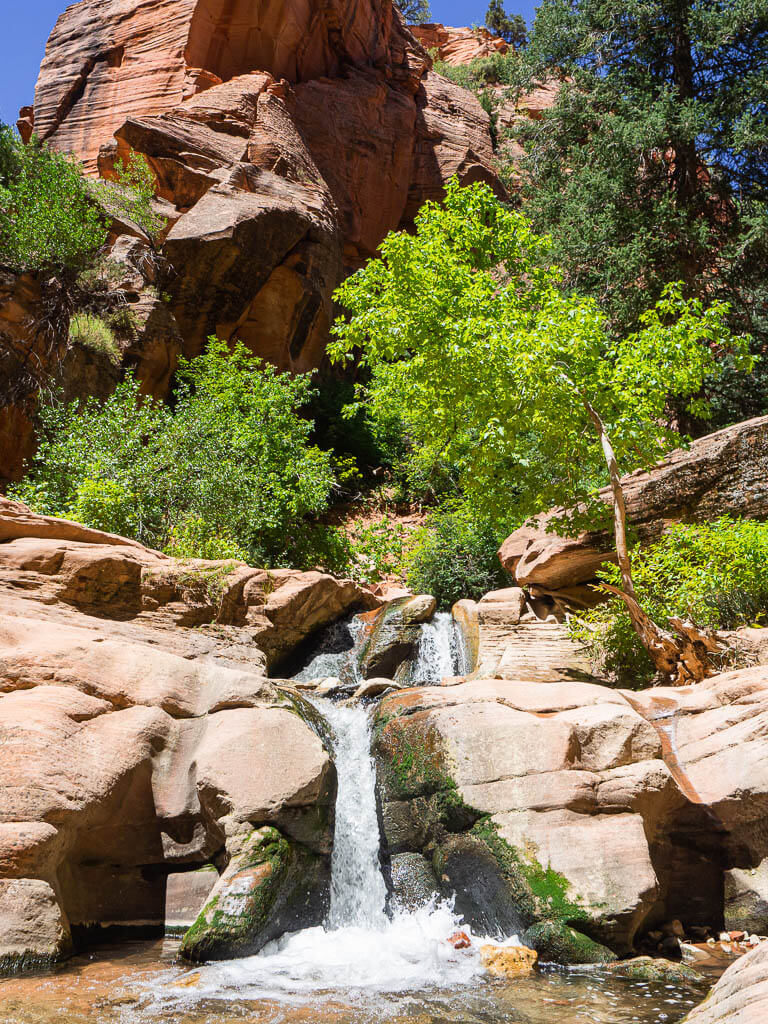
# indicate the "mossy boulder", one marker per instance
pixel 558 943
pixel 273 885
pixel 658 970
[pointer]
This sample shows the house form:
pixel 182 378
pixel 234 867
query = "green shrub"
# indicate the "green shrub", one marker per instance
pixel 454 556
pixel 93 332
pixel 48 220
pixel 228 470
pixel 366 552
pixel 715 574
pixel 132 195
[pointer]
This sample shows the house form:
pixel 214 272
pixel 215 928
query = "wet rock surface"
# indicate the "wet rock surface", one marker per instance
pixel 270 886
pixel 133 744
pixel 572 806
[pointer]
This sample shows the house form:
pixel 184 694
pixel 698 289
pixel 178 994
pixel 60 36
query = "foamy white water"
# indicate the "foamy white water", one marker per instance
pixel 360 948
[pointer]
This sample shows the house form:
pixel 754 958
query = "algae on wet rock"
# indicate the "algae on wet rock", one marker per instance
pixel 271 886
pixel 659 970
pixel 558 943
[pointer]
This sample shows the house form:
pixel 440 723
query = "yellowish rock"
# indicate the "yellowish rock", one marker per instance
pixel 508 961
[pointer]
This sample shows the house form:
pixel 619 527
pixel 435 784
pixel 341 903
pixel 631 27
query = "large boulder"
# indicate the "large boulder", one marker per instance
pixel 724 473
pixel 586 814
pixel 271 886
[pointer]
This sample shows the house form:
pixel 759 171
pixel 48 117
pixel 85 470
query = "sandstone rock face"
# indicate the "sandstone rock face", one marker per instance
pixel 746 899
pixel 740 996
pixel 124 733
pixel 287 140
pixel 602 811
pixel 506 639
pixel 458 46
pixel 109 59
pixel 725 473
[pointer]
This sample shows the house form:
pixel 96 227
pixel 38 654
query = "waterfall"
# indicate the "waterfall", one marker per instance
pixel 441 650
pixel 358 890
pixel 360 945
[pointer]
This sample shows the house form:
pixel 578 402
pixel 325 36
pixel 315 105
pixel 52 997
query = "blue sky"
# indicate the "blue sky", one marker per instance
pixel 26 27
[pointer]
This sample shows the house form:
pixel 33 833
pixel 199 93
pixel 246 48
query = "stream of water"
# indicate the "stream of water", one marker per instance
pixel 365 964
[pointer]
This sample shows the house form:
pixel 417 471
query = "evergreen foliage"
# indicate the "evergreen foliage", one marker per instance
pixel 653 165
pixel 510 28
pixel 414 12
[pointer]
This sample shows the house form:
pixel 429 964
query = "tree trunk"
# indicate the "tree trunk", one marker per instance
pixel 680 657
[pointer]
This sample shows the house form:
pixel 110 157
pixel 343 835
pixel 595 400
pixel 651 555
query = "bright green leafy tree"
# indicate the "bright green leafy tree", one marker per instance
pixel 652 166
pixel 48 220
pixel 227 470
pixel 466 329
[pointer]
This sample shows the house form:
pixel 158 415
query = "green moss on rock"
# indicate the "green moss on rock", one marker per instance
pixel 549 899
pixel 273 885
pixel 659 970
pixel 558 943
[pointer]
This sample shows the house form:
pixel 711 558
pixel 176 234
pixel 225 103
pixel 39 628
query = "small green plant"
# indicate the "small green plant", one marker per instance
pixel 193 539
pixel 377 550
pixel 715 574
pixel 123 320
pixel 228 470
pixel 94 333
pixel 134 195
pixel 454 556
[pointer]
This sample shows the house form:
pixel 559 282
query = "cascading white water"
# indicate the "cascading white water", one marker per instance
pixel 441 650
pixel 358 890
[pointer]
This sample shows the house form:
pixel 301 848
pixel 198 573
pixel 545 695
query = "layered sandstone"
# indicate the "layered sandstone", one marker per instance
pixel 125 733
pixel 566 805
pixel 286 139
pixel 725 473
pixel 457 46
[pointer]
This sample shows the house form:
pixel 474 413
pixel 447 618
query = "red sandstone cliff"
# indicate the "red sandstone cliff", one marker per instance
pixel 287 139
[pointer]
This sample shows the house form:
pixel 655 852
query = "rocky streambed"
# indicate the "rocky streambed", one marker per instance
pixel 178 757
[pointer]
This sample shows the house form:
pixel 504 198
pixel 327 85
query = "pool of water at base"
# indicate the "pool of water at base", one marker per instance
pixel 144 983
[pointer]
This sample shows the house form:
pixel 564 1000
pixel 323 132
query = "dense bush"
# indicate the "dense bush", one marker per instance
pixel 228 470
pixel 48 219
pixel 454 556
pixel 714 574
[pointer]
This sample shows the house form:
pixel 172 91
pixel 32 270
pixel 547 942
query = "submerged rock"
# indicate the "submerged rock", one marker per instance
pixel 273 885
pixel 657 969
pixel 414 882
